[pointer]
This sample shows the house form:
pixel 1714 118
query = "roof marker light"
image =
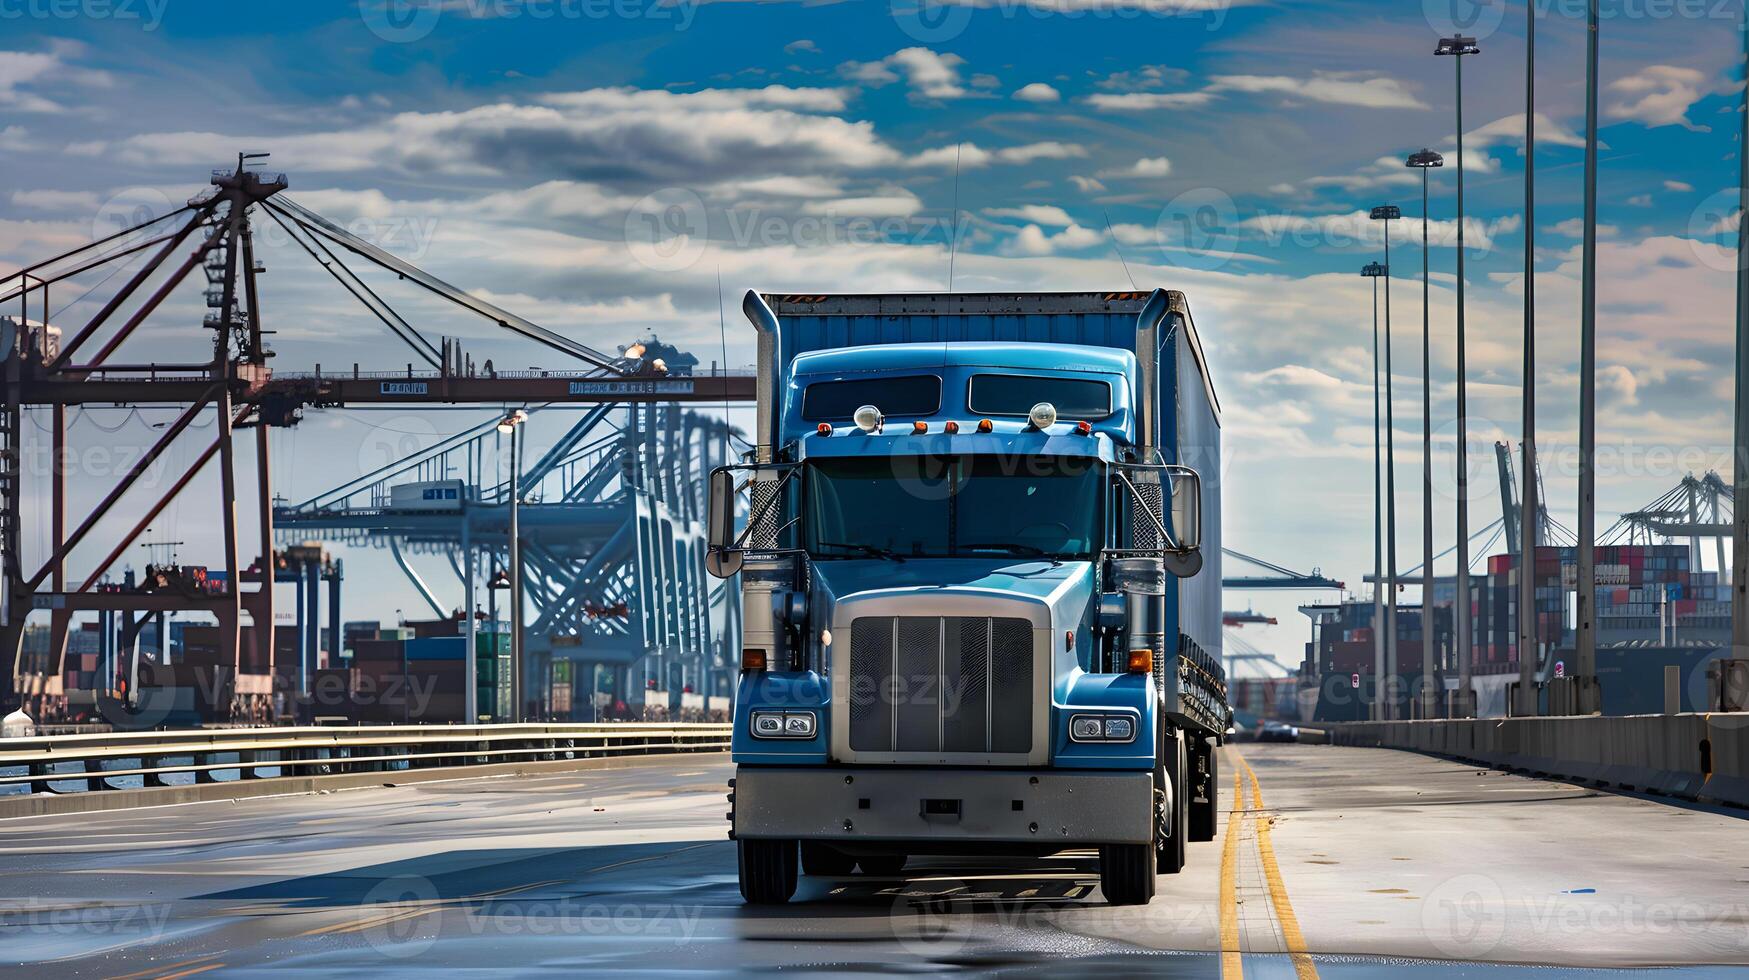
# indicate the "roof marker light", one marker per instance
pixel 985 425
pixel 1043 415
pixel 1084 428
pixel 868 418
pixel 919 427
pixel 824 428
pixel 951 428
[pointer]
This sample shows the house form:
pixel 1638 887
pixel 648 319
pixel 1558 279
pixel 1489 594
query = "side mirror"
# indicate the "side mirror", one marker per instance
pixel 1186 559
pixel 722 557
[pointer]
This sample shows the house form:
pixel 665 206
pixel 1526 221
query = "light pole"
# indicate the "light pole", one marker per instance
pixel 1389 213
pixel 1429 701
pixel 1585 692
pixel 512 426
pixel 1463 700
pixel 1528 635
pixel 1740 464
pixel 500 582
pixel 1375 271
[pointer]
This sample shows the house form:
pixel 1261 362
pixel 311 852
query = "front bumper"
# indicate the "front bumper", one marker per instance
pixel 944 805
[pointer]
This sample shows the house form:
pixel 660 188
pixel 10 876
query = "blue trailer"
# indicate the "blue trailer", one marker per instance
pixel 979 544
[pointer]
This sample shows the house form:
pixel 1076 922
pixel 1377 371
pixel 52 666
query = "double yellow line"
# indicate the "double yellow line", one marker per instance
pixel 1231 966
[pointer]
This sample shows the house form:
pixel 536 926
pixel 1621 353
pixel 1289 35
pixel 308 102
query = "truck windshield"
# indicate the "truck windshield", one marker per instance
pixel 955 506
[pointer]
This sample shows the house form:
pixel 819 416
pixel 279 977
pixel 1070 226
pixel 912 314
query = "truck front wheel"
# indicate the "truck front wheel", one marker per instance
pixel 1126 873
pixel 768 870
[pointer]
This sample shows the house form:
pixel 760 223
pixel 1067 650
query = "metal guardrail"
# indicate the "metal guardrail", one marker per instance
pixel 89 763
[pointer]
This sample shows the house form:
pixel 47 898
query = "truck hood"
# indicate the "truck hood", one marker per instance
pixel 1065 589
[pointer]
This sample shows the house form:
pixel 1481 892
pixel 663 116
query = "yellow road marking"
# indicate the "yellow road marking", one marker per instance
pixel 153 970
pixel 1304 969
pixel 190 972
pixel 1231 968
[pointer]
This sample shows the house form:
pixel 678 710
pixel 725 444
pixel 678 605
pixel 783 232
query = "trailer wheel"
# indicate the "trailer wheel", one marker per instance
pixel 882 865
pixel 825 861
pixel 1203 813
pixel 768 870
pixel 1126 873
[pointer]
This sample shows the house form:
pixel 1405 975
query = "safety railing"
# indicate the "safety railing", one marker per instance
pixel 134 760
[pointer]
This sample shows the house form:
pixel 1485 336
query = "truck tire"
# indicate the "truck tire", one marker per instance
pixel 883 865
pixel 1126 873
pixel 1169 856
pixel 825 861
pixel 1203 814
pixel 768 870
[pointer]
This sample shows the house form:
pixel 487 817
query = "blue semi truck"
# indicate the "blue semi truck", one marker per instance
pixel 978 547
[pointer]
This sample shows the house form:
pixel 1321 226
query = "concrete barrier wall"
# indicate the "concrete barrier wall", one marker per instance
pixel 1701 757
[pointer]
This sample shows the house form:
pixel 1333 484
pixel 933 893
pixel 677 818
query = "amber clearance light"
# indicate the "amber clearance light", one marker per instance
pixel 1141 662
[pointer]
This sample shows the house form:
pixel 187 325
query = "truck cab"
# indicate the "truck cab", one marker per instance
pixel 962 544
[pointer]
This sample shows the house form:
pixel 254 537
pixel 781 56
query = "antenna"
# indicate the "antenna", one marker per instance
pixel 723 335
pixel 1109 230
pixel 954 229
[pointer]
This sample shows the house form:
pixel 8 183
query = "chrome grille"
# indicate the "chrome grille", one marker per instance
pixel 941 684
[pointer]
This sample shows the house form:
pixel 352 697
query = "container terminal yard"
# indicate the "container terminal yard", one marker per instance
pixel 557 500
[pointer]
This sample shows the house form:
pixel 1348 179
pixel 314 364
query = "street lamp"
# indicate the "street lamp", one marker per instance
pixel 511 426
pixel 1375 272
pixel 1424 161
pixel 1389 213
pixel 1463 700
pixel 1528 638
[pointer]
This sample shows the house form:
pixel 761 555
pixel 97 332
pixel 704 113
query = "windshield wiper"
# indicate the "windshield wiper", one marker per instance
pixel 866 549
pixel 1024 550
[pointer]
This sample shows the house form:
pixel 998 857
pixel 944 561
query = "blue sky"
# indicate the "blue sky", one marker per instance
pixel 521 149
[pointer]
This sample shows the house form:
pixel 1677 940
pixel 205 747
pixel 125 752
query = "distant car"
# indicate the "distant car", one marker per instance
pixel 1277 731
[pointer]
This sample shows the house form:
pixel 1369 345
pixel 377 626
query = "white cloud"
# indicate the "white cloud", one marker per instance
pixel 1509 130
pixel 21 71
pixel 930 75
pixel 647 137
pixel 53 200
pixel 1357 228
pixel 1038 92
pixel 1146 101
pixel 803 44
pixel 1145 167
pixel 1087 185
pixel 1658 95
pixel 1377 92
pixel 1680 186
pixel 1032 240
pixel 1043 214
pixel 1575 228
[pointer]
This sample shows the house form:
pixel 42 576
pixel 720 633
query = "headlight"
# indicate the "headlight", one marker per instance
pixel 1102 728
pixel 784 724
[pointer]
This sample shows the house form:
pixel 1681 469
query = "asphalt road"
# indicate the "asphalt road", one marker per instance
pixel 1336 862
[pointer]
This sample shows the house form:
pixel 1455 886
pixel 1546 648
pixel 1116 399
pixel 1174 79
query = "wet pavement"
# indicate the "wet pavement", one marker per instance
pixel 1332 862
